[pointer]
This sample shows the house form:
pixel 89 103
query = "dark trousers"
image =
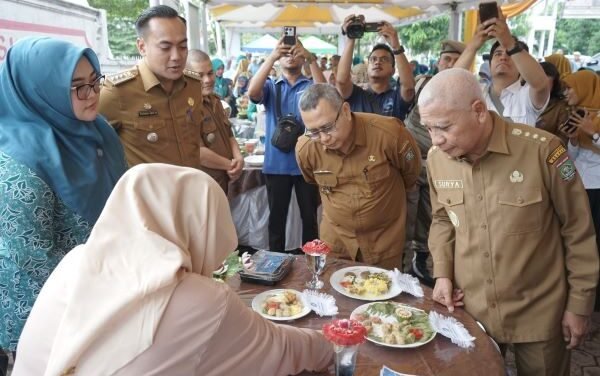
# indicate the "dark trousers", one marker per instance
pixel 594 198
pixel 279 192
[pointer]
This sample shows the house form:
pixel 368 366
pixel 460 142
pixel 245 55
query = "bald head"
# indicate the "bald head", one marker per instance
pixel 197 56
pixel 453 88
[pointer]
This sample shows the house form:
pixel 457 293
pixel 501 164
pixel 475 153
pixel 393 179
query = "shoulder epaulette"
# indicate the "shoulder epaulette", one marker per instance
pixel 192 74
pixel 532 135
pixel 119 78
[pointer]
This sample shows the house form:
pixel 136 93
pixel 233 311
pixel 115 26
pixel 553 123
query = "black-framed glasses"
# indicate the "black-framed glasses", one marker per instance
pixel 83 91
pixel 315 134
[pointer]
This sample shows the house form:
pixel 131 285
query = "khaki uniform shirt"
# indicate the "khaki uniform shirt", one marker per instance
pixel 155 127
pixel 514 232
pixel 364 192
pixel 216 133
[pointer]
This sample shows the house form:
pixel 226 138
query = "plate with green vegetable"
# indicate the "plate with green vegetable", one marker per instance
pixel 394 324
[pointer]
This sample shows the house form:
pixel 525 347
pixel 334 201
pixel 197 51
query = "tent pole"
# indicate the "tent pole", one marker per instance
pixel 454 24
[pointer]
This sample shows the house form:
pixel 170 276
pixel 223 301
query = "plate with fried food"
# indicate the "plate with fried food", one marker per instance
pixel 281 305
pixel 365 283
pixel 394 324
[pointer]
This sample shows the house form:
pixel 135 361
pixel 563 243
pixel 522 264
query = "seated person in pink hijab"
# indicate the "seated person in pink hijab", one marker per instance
pixel 138 298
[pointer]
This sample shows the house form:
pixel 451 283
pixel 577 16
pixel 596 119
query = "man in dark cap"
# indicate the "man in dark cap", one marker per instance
pixel 418 216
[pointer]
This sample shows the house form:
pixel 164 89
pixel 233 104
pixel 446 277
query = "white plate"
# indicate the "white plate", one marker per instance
pixel 390 319
pixel 255 160
pixel 337 277
pixel 260 298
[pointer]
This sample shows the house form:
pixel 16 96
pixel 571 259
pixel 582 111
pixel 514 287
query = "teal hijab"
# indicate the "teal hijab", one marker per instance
pixel 81 161
pixel 221 84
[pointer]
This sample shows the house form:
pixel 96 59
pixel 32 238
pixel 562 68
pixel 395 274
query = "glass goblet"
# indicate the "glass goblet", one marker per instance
pixel 316 265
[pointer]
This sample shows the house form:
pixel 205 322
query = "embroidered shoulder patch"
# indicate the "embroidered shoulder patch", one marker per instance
pixel 121 77
pixel 556 154
pixel 566 169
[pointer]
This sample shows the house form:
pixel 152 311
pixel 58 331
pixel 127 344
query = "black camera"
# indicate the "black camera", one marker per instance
pixel 357 27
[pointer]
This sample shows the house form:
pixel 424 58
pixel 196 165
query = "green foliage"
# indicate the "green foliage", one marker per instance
pixel 121 15
pixel 426 36
pixel 578 35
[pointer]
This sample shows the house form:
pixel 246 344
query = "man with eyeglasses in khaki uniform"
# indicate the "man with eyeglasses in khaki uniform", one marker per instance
pixel 363 165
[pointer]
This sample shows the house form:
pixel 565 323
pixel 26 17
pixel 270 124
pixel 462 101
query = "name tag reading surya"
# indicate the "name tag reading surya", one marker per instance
pixel 448 184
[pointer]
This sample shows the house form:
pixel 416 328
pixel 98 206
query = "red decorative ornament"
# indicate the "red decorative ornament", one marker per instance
pixel 344 332
pixel 316 247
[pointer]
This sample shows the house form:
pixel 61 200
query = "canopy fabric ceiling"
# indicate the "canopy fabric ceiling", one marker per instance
pixel 327 16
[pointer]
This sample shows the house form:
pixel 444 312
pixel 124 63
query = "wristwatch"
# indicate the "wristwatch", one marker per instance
pixel 515 50
pixel 596 137
pixel 398 51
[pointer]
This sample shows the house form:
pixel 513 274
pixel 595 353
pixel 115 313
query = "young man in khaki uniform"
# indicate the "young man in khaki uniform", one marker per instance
pixel 219 151
pixel 363 165
pixel 156 107
pixel 512 236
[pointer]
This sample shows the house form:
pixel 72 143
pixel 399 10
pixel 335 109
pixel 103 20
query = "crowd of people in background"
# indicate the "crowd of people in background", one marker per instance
pixel 493 178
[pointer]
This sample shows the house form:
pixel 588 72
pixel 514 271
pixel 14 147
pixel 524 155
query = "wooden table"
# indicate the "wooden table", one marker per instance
pixel 438 357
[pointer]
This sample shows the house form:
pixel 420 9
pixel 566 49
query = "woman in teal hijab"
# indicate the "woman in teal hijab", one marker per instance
pixel 222 85
pixel 59 162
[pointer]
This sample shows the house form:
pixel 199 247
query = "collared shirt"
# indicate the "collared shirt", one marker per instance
pixel 517 103
pixel 276 161
pixel 588 164
pixel 514 232
pixel 388 103
pixel 363 192
pixel 154 127
pixel 216 135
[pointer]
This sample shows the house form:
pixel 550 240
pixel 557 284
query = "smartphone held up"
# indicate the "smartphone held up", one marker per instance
pixel 488 11
pixel 569 126
pixel 289 35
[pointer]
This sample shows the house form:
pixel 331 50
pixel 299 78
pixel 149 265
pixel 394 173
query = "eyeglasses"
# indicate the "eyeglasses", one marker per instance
pixel 83 91
pixel 315 134
pixel 382 59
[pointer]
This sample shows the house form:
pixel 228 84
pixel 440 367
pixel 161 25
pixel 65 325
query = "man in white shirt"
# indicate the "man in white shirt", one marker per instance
pixel 519 89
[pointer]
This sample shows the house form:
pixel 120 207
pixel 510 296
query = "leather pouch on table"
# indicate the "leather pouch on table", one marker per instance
pixel 268 268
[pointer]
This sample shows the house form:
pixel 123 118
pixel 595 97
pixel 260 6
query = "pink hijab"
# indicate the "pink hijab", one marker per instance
pixel 160 223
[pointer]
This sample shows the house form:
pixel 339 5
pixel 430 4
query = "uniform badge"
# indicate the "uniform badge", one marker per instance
pixel 453 218
pixel 371 158
pixel 556 154
pixel 152 137
pixel 147 112
pixel 410 155
pixel 210 138
pixel 325 190
pixel 566 170
pixel 147 106
pixel 191 101
pixel 516 177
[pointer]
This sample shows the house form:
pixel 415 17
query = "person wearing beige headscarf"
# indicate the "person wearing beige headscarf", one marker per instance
pixel 562 64
pixel 583 93
pixel 138 298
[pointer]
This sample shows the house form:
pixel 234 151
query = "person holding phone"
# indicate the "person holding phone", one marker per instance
pixel 583 130
pixel 510 65
pixel 381 97
pixel 280 168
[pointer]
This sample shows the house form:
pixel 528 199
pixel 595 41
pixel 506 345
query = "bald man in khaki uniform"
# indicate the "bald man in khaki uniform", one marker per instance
pixel 511 230
pixel 219 151
pixel 363 165
pixel 156 107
